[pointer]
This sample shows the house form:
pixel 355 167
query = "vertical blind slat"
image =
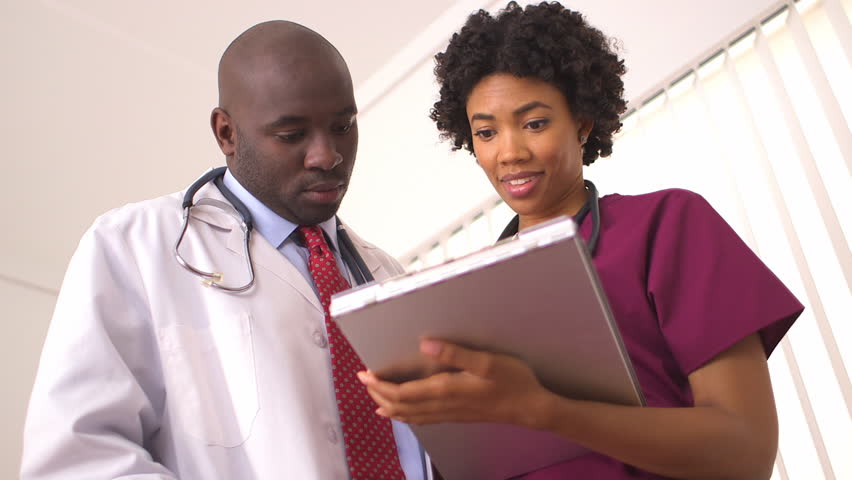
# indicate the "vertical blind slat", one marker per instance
pixel 822 88
pixel 841 25
pixel 797 251
pixel 780 467
pixel 801 391
pixel 825 208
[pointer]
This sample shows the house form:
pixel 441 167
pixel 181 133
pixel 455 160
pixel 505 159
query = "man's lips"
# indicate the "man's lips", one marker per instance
pixel 324 186
pixel 325 192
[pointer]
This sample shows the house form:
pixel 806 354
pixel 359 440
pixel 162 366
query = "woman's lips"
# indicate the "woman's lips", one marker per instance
pixel 520 185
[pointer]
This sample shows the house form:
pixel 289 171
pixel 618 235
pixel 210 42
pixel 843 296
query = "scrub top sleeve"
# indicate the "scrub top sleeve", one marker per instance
pixel 708 288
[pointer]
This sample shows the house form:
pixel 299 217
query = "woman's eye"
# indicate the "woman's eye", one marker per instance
pixel 484 134
pixel 537 124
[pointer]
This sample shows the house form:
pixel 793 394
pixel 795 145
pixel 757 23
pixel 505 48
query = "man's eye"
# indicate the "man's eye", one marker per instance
pixel 485 133
pixel 342 129
pixel 290 137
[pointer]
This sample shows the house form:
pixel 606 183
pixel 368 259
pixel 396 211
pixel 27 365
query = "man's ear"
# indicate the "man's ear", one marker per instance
pixel 224 130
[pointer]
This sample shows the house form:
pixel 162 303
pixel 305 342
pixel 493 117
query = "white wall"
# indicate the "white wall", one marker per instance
pixel 23 332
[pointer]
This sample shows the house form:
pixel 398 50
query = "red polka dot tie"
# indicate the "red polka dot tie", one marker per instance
pixel 368 438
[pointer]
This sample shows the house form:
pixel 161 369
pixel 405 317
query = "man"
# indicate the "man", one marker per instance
pixel 148 374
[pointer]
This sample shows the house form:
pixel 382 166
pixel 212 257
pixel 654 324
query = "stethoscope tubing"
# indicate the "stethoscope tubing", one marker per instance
pixel 592 206
pixel 348 252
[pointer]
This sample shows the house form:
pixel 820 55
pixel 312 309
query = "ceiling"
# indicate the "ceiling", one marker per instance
pixel 656 36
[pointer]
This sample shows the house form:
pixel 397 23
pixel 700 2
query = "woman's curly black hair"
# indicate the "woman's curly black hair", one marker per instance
pixel 546 41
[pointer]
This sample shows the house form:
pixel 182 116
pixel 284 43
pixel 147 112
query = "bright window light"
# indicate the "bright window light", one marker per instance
pixel 458 244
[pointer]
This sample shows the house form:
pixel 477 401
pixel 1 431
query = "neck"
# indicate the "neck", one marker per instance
pixel 569 205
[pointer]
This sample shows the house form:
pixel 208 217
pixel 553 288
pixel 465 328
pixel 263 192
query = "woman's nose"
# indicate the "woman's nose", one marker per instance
pixel 513 149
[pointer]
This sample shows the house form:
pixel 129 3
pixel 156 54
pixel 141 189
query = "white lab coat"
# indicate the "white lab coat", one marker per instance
pixel 147 374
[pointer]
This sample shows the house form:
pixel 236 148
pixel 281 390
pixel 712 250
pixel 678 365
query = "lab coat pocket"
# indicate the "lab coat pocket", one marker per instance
pixel 211 386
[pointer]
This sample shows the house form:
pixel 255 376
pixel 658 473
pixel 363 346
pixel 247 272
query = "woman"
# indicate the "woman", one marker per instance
pixel 535 94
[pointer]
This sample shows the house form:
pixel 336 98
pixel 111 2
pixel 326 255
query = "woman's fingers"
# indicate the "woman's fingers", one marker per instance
pixel 438 386
pixel 488 387
pixel 476 362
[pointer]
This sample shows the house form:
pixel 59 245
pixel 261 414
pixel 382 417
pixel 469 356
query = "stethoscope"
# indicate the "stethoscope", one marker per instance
pixel 591 205
pixel 348 252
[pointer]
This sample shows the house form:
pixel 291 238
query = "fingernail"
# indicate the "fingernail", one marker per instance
pixel 380 411
pixel 431 347
pixel 362 376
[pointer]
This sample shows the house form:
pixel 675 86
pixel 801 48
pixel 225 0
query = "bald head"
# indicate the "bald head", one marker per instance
pixel 286 120
pixel 268 48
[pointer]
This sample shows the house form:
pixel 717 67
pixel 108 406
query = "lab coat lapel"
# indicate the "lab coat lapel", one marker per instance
pixel 263 255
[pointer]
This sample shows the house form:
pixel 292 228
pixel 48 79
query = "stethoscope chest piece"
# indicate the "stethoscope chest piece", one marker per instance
pixel 216 279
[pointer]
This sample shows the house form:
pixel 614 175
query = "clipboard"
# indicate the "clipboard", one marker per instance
pixel 536 297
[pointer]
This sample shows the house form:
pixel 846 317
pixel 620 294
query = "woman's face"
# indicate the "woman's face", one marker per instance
pixel 529 145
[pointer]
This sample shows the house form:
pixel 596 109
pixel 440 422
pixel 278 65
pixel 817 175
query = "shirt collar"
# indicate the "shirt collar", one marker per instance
pixel 271 226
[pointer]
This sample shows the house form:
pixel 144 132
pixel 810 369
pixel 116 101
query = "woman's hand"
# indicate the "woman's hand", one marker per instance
pixel 730 432
pixel 487 388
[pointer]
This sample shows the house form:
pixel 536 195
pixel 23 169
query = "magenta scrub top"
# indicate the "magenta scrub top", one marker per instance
pixel 683 287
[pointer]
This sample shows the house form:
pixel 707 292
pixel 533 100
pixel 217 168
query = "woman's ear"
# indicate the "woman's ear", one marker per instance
pixel 584 131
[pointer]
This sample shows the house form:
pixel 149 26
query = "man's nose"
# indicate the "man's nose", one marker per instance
pixel 322 153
